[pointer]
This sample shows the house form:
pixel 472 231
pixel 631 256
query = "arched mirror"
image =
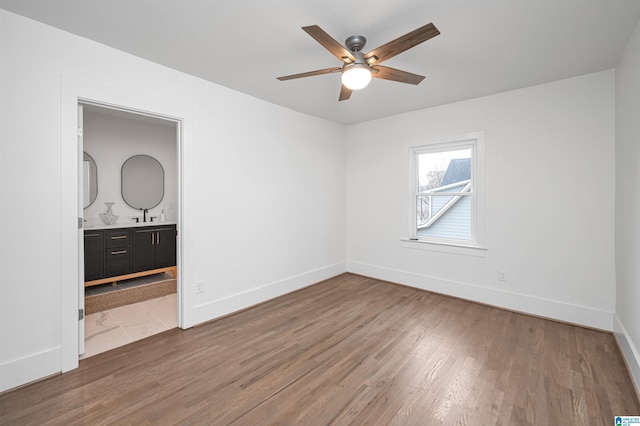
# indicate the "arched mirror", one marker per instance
pixel 89 180
pixel 142 182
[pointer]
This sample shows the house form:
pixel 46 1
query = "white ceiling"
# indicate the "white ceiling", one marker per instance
pixel 485 46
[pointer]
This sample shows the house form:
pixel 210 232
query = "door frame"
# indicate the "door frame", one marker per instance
pixel 73 93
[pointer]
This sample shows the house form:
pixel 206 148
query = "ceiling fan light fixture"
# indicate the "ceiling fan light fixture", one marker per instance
pixel 356 76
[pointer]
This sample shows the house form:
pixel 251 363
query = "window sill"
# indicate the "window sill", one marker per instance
pixel 466 250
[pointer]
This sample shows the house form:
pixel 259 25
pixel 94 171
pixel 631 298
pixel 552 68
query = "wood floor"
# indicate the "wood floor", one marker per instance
pixel 350 350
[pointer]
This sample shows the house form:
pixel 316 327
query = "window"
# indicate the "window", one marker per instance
pixel 446 187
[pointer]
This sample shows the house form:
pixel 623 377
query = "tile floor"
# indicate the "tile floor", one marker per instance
pixel 116 327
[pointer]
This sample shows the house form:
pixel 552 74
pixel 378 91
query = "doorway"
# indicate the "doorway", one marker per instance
pixel 129 182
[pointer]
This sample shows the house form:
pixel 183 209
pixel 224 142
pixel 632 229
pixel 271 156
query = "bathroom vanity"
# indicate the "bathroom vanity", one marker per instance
pixel 115 252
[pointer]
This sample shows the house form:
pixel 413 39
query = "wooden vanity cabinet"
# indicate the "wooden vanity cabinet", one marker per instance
pixel 117 254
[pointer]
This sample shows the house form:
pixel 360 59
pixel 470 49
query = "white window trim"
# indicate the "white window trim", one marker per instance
pixel 475 247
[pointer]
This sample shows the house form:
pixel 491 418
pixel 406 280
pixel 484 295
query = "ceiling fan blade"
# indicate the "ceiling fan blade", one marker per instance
pixel 310 73
pixel 329 43
pixel 387 73
pixel 345 93
pixel 399 45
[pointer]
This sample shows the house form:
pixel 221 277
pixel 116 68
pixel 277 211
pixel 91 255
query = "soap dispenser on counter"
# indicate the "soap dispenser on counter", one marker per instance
pixel 162 217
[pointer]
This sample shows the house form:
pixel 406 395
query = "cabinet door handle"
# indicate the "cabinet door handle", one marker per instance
pixel 153 239
pixel 157 238
pixel 121 237
pixel 118 252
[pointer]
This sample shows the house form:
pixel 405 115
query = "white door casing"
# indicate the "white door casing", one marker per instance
pixel 73 93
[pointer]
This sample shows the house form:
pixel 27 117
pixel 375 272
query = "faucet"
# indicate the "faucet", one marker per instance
pixel 144 214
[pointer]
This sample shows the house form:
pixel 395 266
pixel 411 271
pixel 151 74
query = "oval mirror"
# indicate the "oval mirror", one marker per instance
pixel 142 182
pixel 89 180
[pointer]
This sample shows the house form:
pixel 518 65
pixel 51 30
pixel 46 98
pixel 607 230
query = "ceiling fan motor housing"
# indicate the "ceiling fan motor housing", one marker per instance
pixel 359 60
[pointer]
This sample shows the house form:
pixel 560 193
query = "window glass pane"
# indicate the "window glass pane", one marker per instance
pixel 440 169
pixel 444 217
pixel 439 216
pixel 423 209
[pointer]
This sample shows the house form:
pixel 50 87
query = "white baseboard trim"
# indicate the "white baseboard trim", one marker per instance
pixel 218 308
pixel 630 352
pixel 27 369
pixel 552 309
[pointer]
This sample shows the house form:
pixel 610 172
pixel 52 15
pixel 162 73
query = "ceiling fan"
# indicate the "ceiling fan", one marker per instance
pixel 358 68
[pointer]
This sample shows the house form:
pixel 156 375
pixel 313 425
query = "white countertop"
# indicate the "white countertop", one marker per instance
pixel 127 225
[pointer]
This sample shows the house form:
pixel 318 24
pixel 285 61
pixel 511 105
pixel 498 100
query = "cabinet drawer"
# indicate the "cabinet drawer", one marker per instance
pixel 118 261
pixel 118 238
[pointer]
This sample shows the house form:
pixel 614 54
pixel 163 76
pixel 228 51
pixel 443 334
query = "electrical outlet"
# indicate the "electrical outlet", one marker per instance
pixel 199 287
pixel 502 276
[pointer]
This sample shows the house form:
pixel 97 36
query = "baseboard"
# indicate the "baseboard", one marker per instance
pixel 225 306
pixel 30 368
pixel 552 309
pixel 629 351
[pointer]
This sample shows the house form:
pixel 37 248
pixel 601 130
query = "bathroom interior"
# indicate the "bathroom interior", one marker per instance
pixel 130 205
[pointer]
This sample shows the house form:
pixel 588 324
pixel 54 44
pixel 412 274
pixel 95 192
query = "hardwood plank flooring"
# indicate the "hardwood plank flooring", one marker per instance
pixel 350 350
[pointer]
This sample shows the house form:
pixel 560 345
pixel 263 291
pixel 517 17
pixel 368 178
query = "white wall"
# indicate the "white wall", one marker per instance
pixel 627 320
pixel 549 200
pixel 265 195
pixel 111 140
